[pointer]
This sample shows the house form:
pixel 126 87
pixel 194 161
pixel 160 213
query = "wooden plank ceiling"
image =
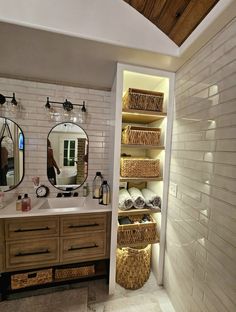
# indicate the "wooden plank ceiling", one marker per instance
pixel 176 18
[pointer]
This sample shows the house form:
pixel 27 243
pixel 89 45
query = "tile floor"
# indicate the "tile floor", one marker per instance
pixel 150 298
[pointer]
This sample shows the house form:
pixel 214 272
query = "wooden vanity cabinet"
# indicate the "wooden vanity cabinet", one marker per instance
pixel 31 242
pixel 36 242
pixel 84 237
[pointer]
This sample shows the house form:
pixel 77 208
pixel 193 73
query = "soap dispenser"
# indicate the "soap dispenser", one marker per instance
pixel 97 182
pixel 105 193
pixel 26 203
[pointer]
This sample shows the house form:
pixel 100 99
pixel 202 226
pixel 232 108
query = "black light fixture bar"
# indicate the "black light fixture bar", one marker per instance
pixel 3 99
pixel 67 105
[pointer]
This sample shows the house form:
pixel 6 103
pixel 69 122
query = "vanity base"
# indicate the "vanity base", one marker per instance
pixel 28 282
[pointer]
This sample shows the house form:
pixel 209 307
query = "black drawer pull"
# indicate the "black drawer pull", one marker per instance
pixel 74 226
pixel 32 230
pixel 84 247
pixel 32 253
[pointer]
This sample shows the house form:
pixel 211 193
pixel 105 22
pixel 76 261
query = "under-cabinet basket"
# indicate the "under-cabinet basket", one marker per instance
pixel 39 277
pixel 137 233
pixel 141 135
pixel 74 272
pixel 143 100
pixel 139 167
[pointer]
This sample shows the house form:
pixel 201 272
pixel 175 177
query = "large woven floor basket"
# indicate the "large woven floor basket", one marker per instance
pixel 133 266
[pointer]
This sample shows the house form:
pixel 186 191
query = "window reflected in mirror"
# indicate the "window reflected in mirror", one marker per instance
pixel 11 154
pixel 67 156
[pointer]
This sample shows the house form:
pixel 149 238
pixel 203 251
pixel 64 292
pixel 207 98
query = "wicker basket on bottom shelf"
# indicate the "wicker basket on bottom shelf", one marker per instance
pixel 74 272
pixel 133 266
pixel 39 277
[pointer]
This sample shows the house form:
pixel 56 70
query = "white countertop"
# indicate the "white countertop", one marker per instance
pixel 55 206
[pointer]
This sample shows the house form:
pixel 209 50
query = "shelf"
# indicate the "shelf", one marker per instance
pixel 142 146
pixel 122 179
pixel 141 116
pixel 135 211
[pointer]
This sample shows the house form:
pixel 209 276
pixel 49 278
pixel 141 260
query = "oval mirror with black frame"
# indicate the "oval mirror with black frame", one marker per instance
pixel 11 154
pixel 67 156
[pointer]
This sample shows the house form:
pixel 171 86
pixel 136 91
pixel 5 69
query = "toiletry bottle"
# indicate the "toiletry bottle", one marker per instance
pixel 97 182
pixel 26 203
pixel 1 199
pixel 19 203
pixel 105 193
pixel 85 190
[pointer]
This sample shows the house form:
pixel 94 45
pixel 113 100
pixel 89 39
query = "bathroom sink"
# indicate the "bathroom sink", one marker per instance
pixel 64 203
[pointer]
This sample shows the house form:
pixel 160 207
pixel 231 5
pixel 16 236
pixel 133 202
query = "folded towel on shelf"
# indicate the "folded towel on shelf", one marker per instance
pixel 137 197
pixel 125 200
pixel 152 200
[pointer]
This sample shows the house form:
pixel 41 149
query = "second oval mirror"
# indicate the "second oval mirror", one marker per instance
pixel 67 156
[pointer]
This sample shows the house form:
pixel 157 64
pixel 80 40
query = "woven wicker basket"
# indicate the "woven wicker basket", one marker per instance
pixel 139 167
pixel 23 280
pixel 143 100
pixel 141 135
pixel 133 266
pixel 76 272
pixel 137 233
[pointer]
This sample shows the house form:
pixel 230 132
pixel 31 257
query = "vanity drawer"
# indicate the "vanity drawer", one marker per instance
pixel 28 253
pixel 23 228
pixel 83 247
pixel 82 223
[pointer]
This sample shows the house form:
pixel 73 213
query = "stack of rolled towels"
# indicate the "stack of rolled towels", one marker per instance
pixel 133 197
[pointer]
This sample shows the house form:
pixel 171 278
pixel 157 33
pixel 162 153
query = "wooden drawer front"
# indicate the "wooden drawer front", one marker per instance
pixel 83 223
pixel 83 247
pixel 32 252
pixel 23 228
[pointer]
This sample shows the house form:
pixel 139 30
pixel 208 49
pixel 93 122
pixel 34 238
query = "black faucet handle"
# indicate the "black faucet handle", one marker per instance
pixel 76 194
pixel 59 194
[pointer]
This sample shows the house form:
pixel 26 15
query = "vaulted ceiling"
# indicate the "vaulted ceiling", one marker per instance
pixel 176 18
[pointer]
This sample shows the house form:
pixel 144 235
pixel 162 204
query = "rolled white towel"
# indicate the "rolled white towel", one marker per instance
pixel 125 200
pixel 152 200
pixel 137 197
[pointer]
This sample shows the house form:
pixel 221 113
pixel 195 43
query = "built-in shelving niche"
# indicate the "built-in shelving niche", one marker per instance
pixel 154 80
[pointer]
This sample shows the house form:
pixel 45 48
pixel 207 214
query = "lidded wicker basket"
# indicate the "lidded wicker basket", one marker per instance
pixel 133 266
pixel 139 167
pixel 141 135
pixel 143 100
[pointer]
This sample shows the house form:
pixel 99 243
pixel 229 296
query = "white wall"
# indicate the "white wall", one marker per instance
pixel 200 256
pixel 36 126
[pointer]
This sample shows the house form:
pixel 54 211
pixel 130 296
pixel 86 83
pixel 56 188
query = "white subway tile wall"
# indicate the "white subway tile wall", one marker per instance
pixel 36 125
pixel 200 262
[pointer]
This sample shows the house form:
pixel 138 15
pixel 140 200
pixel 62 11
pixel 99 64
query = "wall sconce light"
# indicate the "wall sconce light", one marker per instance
pixel 12 107
pixel 68 108
pixel 3 99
